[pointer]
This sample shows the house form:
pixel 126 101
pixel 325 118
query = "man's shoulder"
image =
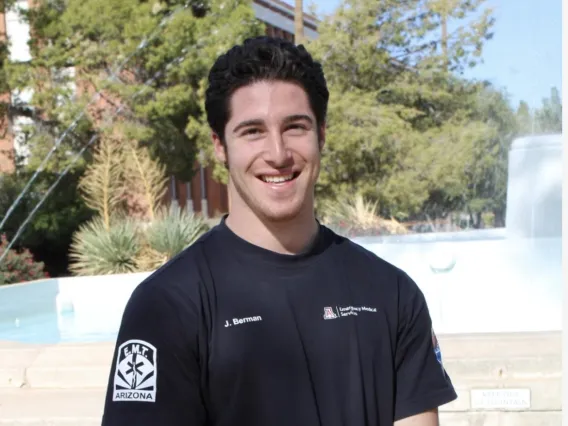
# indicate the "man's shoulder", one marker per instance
pixel 362 263
pixel 356 255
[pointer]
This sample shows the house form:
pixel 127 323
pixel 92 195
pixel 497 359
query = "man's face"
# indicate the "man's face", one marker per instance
pixel 272 150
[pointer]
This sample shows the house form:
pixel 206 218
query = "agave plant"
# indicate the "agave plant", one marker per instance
pixel 98 249
pixel 354 215
pixel 172 230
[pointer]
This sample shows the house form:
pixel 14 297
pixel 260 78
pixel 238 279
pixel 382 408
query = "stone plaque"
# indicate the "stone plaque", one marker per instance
pixel 501 399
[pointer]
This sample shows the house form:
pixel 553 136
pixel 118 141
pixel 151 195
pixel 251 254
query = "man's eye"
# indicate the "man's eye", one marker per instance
pixel 251 132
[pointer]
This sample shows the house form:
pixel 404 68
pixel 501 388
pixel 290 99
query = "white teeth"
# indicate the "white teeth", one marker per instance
pixel 277 179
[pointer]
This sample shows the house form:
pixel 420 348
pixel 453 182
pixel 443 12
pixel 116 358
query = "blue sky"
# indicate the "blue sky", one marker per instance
pixel 525 55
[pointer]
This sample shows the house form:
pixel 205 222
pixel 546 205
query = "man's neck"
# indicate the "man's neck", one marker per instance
pixel 290 237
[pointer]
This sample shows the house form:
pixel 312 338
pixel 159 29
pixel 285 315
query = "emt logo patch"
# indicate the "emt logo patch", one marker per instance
pixel 135 373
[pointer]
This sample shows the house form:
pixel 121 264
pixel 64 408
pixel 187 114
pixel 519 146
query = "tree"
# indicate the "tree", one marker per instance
pixel 49 235
pixel 404 128
pixel 543 120
pixel 525 119
pixel 101 64
pixel 486 176
pixel 7 108
pixel 132 230
pixel 368 44
pixel 18 267
pixel 548 118
pixel 165 49
pixel 370 149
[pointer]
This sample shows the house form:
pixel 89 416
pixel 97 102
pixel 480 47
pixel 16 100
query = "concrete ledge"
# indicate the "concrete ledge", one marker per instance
pixel 523 418
pixel 95 421
pixel 71 366
pixel 499 368
pixel 33 407
pixel 15 358
pixel 68 377
pixel 57 366
pixel 50 406
pixel 65 384
pixel 500 345
pixel 75 355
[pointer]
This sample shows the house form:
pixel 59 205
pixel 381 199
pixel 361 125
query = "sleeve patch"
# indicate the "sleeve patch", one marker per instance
pixel 437 350
pixel 135 372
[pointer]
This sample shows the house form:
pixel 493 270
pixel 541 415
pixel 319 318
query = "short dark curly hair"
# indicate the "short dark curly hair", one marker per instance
pixel 263 59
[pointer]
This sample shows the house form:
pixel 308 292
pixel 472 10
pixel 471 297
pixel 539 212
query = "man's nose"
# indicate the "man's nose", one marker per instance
pixel 276 152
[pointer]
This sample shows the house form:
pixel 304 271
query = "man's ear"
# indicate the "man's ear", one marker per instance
pixel 219 147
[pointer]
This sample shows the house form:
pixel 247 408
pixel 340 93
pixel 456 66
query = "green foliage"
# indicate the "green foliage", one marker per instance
pixel 544 120
pixel 125 186
pixel 356 216
pixel 164 66
pixel 405 129
pixel 76 46
pixel 98 250
pixel 173 230
pixel 17 267
pixel 548 118
pixel 102 186
pixel 370 149
pixel 524 119
pixel 8 108
pixel 132 245
pixel 369 45
pixel 48 235
pixel 123 178
pixel 144 179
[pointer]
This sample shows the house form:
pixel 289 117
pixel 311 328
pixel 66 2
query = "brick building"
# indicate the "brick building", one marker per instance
pixel 18 36
pixel 203 190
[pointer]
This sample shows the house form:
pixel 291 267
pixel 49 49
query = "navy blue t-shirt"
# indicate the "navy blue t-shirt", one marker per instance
pixel 228 333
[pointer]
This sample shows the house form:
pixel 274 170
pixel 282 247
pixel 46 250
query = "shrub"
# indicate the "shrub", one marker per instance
pixel 132 245
pixel 17 267
pixel 98 249
pixel 172 230
pixel 355 216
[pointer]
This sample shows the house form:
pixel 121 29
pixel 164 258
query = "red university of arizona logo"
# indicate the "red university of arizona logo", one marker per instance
pixel 328 313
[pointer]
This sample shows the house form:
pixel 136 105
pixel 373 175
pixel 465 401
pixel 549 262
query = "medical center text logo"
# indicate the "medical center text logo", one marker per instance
pixel 135 374
pixel 345 311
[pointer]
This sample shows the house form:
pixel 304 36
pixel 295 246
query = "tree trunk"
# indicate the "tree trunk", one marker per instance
pixel 299 22
pixel 444 41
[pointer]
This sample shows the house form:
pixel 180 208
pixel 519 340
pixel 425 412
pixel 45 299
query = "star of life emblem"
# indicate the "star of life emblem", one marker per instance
pixel 135 372
pixel 328 313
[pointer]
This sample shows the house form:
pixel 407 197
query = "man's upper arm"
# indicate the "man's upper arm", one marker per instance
pixel 422 384
pixel 155 374
pixel 427 418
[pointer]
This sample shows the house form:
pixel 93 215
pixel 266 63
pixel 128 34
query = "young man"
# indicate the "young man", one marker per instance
pixel 270 318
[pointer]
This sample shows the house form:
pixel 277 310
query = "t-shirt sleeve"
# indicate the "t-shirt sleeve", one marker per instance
pixel 422 383
pixel 155 374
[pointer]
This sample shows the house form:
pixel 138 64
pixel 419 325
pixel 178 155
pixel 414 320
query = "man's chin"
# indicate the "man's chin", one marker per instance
pixel 282 212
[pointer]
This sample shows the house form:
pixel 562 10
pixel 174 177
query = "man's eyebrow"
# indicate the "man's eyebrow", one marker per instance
pixel 298 117
pixel 246 123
